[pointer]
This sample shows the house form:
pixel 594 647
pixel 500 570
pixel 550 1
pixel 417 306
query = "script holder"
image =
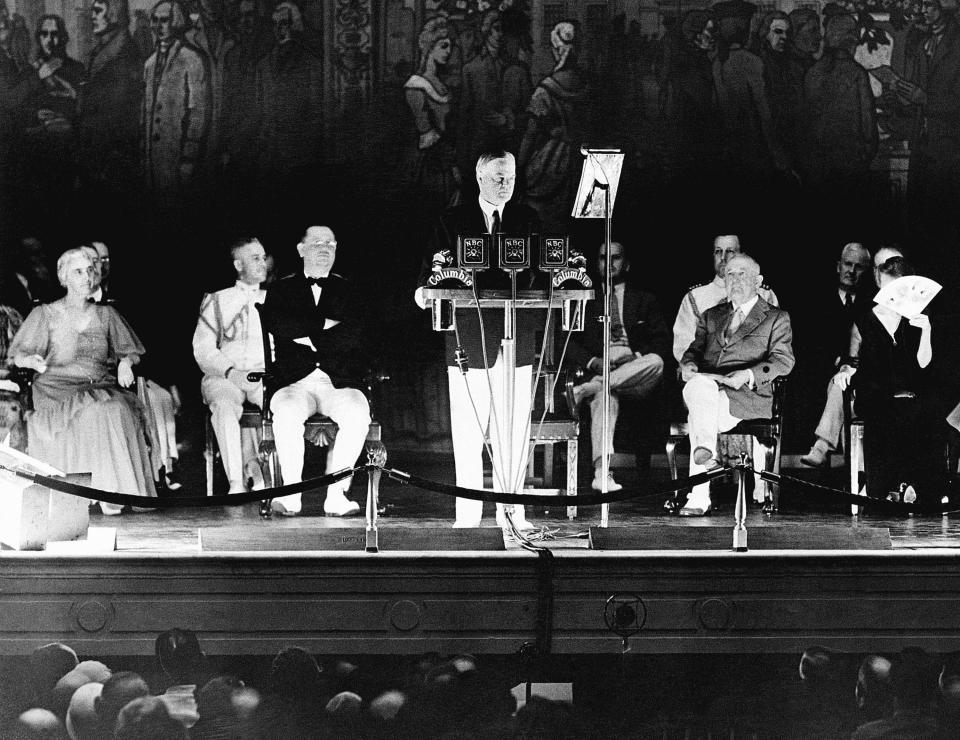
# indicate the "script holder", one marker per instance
pixel 595 197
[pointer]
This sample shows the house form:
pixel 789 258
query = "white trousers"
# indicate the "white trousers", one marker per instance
pixel 294 404
pixel 468 430
pixel 635 378
pixel 708 414
pixel 831 420
pixel 237 446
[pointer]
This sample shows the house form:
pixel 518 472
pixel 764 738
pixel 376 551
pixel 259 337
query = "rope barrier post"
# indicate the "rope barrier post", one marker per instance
pixel 376 459
pixel 740 510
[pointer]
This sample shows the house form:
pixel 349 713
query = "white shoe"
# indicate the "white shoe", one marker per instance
pixel 254 475
pixel 612 485
pixel 464 524
pixel 283 509
pixel 339 505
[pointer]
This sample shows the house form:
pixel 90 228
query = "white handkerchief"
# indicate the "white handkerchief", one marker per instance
pixel 908 295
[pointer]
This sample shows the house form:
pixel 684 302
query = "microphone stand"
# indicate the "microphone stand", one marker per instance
pixel 605 319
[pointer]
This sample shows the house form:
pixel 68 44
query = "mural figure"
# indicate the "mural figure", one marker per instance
pixel 690 104
pixel 517 85
pixel 751 147
pixel 51 116
pixel 208 35
pixel 782 76
pixel 840 120
pixel 480 119
pixel 142 35
pixel 804 43
pixel 110 104
pixel 290 99
pixel 175 104
pixel 430 170
pixel 240 120
pixel 934 177
pixel 559 112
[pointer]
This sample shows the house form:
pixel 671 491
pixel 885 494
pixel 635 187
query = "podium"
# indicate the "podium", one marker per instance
pixel 444 301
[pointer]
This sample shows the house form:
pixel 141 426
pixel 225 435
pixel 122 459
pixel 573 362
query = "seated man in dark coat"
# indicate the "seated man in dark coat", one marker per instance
pixel 639 343
pixel 314 320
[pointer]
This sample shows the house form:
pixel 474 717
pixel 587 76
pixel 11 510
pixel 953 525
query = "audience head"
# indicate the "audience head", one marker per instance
pixel 724 247
pixel 76 272
pixel 873 684
pixel 742 278
pixel 806 35
pixel 109 15
pixel 295 675
pixel 841 32
pixel 179 655
pixel 854 261
pixel 318 248
pixel 773 31
pixel 95 259
pixel 39 724
pixel 914 676
pixel 118 691
pixel 496 176
pixel 147 717
pixel 86 672
pixel 818 666
pixel 48 664
pixel 215 697
pixel 249 260
pixel 619 264
pixel 83 723
pixel 345 705
pixel 385 707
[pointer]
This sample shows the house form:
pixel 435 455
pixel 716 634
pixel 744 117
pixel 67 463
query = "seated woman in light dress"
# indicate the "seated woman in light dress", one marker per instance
pixel 83 419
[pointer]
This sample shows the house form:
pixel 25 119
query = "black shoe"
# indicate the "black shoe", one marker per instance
pixel 672 506
pixel 571 398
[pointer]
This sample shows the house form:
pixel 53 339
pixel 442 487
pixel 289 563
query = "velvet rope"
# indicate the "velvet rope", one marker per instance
pixel 182 502
pixel 533 499
pixel 846 497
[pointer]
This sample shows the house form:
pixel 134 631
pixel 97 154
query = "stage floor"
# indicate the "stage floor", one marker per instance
pixel 686 599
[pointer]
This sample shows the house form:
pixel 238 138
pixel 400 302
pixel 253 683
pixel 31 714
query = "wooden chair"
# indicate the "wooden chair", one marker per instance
pixel 768 432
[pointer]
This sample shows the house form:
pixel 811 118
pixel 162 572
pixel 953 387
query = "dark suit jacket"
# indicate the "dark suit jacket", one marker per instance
pixel 289 313
pixel 646 328
pixel 762 343
pixel 876 380
pixel 467 219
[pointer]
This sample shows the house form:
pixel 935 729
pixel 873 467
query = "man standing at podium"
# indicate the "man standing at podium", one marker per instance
pixel 493 212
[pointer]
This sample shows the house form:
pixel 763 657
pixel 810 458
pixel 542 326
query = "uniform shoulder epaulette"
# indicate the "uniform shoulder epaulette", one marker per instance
pixel 764 286
pixel 698 285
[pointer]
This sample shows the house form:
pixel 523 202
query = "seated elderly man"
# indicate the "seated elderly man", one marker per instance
pixel 739 348
pixel 228 344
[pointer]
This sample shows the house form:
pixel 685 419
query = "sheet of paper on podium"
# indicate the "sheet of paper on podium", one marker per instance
pixel 600 173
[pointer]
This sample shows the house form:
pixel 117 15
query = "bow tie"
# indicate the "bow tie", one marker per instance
pixel 320 282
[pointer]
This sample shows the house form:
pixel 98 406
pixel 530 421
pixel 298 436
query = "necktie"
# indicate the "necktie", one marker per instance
pixel 495 228
pixel 848 301
pixel 735 322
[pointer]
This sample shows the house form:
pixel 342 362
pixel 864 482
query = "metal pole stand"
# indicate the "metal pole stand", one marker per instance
pixel 740 510
pixel 376 459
